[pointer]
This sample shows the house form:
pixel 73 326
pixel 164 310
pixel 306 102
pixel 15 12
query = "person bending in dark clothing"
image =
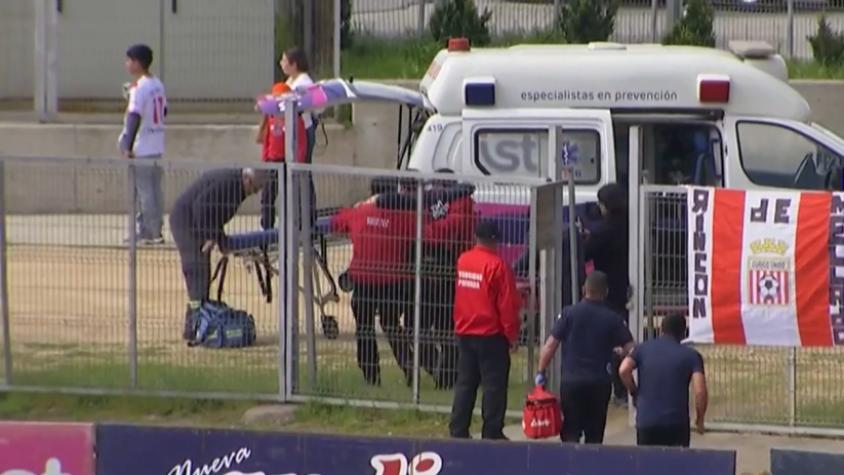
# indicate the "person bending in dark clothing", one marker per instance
pixel 197 221
pixel 607 248
pixel 666 367
pixel 588 332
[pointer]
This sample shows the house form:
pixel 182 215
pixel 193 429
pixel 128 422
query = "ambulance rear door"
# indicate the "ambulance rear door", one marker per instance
pixel 533 142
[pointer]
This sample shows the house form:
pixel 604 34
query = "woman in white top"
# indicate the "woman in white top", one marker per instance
pixel 294 63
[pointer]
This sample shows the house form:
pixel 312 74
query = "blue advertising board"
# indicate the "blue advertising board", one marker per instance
pixel 805 463
pixel 130 450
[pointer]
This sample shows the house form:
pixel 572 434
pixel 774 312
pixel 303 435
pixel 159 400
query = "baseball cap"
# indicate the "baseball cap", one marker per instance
pixel 140 53
pixel 488 231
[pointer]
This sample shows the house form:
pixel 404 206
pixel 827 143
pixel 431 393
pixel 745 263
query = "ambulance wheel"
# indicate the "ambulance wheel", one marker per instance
pixel 330 328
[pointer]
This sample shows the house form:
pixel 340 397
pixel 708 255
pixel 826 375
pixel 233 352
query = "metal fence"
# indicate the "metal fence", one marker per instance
pixel 783 389
pixel 83 311
pixel 785 24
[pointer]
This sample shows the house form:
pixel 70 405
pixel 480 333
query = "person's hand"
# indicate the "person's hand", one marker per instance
pixel 514 347
pixel 540 379
pixel 208 246
pixel 128 154
pixel 700 425
pixel 367 201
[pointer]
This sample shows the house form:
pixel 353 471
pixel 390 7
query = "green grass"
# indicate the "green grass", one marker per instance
pixel 814 70
pixel 371 58
pixel 310 417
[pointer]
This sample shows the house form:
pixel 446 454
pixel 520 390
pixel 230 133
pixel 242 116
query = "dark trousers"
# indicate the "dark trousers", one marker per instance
pixel 618 388
pixel 269 196
pixel 388 301
pixel 666 436
pixel 437 344
pixel 484 361
pixel 584 407
pixel 196 265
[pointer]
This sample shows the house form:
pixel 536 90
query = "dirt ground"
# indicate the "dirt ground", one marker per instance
pixel 68 280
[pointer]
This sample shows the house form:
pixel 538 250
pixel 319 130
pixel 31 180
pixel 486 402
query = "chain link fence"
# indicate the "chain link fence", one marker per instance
pixel 748 386
pixel 87 310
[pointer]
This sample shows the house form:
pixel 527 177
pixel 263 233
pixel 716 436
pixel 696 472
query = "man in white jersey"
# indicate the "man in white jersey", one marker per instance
pixel 143 139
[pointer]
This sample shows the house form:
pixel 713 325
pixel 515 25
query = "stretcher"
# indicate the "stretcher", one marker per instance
pixel 258 252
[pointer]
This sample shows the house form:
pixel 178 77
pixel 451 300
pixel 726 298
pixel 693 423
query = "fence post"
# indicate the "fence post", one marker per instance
pixel 291 275
pixel 162 9
pixel 417 286
pixel 46 60
pixel 283 327
pixel 133 279
pixel 338 38
pixel 575 285
pixel 4 283
pixel 304 205
pixel 792 386
pixel 532 258
pixel 420 18
pixel 789 33
pixel 654 22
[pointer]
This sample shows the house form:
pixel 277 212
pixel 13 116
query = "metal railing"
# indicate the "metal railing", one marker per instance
pixel 85 312
pixel 791 390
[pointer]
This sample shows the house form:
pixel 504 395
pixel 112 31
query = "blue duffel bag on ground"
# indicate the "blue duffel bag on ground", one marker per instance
pixel 216 325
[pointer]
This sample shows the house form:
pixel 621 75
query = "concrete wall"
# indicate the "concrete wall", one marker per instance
pixel 212 49
pixel 370 143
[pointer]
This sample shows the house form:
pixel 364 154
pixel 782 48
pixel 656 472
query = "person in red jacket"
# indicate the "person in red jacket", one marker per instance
pixel 449 229
pixel 271 137
pixel 486 321
pixel 382 278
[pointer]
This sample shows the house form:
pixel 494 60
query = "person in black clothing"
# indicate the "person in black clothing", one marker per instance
pixel 197 220
pixel 588 332
pixel 666 367
pixel 607 247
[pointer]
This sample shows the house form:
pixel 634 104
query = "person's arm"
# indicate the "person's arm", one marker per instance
pixel 625 372
pixel 546 354
pixel 263 129
pixel 132 121
pixel 341 221
pixel 508 303
pixel 701 394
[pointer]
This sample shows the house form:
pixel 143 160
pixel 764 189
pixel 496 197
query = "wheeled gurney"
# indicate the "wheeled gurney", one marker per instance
pixel 258 251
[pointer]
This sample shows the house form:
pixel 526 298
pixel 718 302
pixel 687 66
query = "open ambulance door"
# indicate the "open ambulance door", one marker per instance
pixel 532 143
pixel 781 153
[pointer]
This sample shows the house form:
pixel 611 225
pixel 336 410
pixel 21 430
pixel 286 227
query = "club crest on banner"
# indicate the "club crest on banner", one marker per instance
pixel 769 272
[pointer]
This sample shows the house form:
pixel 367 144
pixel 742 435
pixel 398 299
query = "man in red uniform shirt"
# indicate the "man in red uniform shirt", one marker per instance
pixel 448 232
pixel 486 321
pixel 382 277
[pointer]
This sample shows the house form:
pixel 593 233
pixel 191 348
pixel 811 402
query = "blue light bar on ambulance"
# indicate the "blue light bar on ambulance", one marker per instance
pixel 479 91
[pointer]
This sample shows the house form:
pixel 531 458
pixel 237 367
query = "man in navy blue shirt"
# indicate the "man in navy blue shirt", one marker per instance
pixel 588 332
pixel 662 396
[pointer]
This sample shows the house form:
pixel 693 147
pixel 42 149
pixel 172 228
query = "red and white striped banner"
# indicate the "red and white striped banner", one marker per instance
pixel 766 267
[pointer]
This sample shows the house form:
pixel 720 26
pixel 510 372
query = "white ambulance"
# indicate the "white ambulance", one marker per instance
pixel 702 116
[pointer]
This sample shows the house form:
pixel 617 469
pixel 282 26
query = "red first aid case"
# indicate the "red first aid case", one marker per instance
pixel 541 418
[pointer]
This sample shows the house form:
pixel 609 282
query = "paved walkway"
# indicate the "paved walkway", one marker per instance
pixel 753 450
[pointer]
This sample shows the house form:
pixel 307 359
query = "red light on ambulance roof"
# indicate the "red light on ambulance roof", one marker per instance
pixel 713 88
pixel 458 44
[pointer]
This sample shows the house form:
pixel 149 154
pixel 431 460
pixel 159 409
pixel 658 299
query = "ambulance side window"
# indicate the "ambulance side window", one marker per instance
pixel 777 156
pixel 518 152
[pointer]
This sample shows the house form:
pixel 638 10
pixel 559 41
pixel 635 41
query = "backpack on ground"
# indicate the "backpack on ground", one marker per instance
pixel 216 325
